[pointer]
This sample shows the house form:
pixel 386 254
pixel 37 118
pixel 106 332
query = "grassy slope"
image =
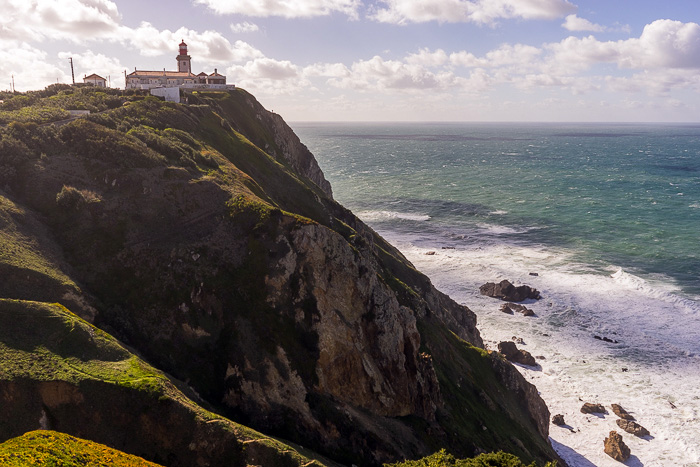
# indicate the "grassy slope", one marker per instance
pixel 42 342
pixel 44 448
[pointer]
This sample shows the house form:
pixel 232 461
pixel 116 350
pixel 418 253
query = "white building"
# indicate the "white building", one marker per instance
pixel 183 77
pixel 95 80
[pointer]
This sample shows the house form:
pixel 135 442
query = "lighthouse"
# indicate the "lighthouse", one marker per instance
pixel 183 60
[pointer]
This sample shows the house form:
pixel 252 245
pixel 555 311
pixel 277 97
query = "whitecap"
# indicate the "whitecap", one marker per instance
pixel 370 216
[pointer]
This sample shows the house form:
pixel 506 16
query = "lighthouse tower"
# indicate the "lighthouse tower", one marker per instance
pixel 183 60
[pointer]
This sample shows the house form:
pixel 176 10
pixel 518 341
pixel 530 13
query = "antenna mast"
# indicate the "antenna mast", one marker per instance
pixel 71 69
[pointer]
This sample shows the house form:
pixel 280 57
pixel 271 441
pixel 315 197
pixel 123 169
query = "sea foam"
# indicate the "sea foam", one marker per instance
pixel 650 367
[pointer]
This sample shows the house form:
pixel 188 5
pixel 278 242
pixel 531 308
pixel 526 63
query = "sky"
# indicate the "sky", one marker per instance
pixel 383 60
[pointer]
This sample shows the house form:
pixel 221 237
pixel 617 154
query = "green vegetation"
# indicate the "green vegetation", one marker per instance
pixel 45 342
pixel 43 448
pixel 443 459
pixel 52 104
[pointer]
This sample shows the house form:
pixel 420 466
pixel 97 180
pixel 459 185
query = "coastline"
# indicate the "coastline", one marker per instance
pixel 586 370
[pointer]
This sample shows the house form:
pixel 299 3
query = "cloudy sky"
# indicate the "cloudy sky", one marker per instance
pixel 368 60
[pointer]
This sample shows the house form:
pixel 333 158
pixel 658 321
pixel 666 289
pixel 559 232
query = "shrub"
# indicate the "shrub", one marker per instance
pixel 443 459
pixel 69 198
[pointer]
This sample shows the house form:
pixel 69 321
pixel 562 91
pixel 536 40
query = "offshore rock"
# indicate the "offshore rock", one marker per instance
pixel 558 420
pixel 506 291
pixel 513 354
pixel 632 427
pixel 616 448
pixel 620 412
pixel 512 307
pixel 592 408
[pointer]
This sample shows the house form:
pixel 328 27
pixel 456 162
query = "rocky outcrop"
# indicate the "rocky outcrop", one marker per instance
pixel 616 448
pixel 620 412
pixel 509 308
pixel 506 291
pixel 378 354
pixel 524 392
pixel 589 407
pixel 558 420
pixel 513 354
pixel 632 427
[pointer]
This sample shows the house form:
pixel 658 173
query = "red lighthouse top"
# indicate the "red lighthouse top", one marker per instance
pixel 183 48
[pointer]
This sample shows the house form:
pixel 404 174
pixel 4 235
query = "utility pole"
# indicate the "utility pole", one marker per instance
pixel 13 84
pixel 71 69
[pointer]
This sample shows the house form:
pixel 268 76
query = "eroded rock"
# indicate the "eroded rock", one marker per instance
pixel 632 427
pixel 620 412
pixel 513 354
pixel 592 408
pixel 558 420
pixel 616 448
pixel 504 290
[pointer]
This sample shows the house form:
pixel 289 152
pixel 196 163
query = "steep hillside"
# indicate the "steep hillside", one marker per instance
pixel 61 373
pixel 205 237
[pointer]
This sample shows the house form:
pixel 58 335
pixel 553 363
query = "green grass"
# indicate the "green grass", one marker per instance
pixel 45 448
pixel 47 342
pixel 19 250
pixel 443 459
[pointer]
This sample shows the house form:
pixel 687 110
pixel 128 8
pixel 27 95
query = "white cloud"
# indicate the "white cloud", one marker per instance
pixel 477 11
pixel 269 77
pixel 379 74
pixel 245 27
pixel 333 70
pixel 89 62
pixel 284 8
pixel 31 67
pixel 72 20
pixel 666 43
pixel 207 46
pixel 662 44
pixel 425 57
pixel 574 23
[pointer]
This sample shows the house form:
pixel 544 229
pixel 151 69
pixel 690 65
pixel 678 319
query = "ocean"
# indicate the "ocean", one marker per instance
pixel 603 219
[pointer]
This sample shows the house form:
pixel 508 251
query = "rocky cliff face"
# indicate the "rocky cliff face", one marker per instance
pixel 221 256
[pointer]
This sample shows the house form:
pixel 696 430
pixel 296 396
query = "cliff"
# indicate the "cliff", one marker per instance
pixel 206 239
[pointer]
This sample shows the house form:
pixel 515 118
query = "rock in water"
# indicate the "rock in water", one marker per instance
pixel 513 354
pixel 592 408
pixel 632 427
pixel 620 412
pixel 520 309
pixel 505 308
pixel 558 420
pixel 616 448
pixel 504 290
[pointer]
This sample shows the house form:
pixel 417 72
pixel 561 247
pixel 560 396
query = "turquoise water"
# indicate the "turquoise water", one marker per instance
pixel 623 195
pixel 604 220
